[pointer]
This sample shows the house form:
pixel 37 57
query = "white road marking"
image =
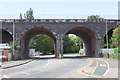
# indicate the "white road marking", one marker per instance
pixel 102 65
pixel 4 76
pixel 107 69
pixel 26 73
pixel 47 63
pixel 95 67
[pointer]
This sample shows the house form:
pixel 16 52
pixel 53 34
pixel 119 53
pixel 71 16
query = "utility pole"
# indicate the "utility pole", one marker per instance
pixel 107 37
pixel 13 36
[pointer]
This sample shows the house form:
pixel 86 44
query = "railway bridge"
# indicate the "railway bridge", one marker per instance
pixel 92 32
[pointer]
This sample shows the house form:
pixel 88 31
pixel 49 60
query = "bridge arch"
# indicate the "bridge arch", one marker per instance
pixel 108 36
pixel 6 36
pixel 26 37
pixel 88 37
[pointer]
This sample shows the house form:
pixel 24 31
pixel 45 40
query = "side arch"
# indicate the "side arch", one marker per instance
pixel 5 36
pixel 26 37
pixel 108 36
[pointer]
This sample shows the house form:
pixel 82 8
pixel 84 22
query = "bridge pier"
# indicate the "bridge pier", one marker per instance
pixel 24 49
pixel 99 45
pixel 59 47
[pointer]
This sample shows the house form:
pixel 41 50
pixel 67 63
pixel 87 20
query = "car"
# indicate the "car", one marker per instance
pixel 3 58
pixel 41 53
pixel 49 53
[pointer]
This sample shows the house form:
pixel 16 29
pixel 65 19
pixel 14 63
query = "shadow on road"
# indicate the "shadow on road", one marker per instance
pixel 66 57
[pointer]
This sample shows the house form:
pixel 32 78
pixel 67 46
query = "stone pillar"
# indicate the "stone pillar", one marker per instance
pixel 57 46
pixel 24 49
pixel 27 50
pixel 61 47
pixel 97 51
pixel 87 48
pixel 99 46
pixel 102 43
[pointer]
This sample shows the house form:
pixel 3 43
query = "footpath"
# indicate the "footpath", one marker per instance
pixel 102 68
pixel 10 64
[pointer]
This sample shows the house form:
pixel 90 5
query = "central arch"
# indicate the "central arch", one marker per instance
pixel 26 37
pixel 88 38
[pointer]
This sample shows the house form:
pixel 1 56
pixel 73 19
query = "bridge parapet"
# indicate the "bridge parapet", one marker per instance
pixel 58 20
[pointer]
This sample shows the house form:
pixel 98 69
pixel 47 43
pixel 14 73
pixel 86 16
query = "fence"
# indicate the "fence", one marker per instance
pixel 104 50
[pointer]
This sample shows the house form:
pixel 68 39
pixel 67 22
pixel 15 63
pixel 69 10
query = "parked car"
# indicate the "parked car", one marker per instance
pixel 3 58
pixel 49 53
pixel 41 53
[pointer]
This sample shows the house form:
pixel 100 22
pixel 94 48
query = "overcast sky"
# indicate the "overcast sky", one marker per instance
pixel 60 8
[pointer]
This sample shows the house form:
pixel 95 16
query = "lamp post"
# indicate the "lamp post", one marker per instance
pixel 13 36
pixel 107 37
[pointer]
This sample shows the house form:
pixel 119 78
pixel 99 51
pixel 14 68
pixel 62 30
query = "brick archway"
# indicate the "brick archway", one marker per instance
pixel 6 36
pixel 26 37
pixel 88 38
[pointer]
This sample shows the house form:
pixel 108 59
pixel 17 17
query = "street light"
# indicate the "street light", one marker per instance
pixel 13 35
pixel 107 37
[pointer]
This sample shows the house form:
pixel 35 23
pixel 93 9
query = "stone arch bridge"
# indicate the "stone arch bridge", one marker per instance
pixel 92 32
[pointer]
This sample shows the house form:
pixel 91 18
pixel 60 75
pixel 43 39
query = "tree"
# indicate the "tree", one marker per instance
pixel 15 46
pixel 29 14
pixel 94 17
pixel 20 16
pixel 115 39
pixel 66 43
pixel 71 44
pixel 42 43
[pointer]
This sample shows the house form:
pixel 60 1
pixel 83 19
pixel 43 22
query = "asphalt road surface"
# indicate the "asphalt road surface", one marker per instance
pixel 48 68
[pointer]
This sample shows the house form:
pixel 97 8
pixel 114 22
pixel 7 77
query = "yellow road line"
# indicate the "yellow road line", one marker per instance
pixel 87 73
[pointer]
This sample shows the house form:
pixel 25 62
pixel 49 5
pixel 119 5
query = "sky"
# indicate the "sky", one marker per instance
pixel 60 8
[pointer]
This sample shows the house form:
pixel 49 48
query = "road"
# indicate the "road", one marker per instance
pixel 48 68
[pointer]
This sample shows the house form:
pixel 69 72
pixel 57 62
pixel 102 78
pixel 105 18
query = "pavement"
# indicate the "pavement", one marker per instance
pixel 11 64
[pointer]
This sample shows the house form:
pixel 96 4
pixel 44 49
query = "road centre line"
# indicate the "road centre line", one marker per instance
pixel 26 73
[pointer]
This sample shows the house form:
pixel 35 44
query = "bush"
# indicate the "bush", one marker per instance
pixel 115 56
pixel 116 52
